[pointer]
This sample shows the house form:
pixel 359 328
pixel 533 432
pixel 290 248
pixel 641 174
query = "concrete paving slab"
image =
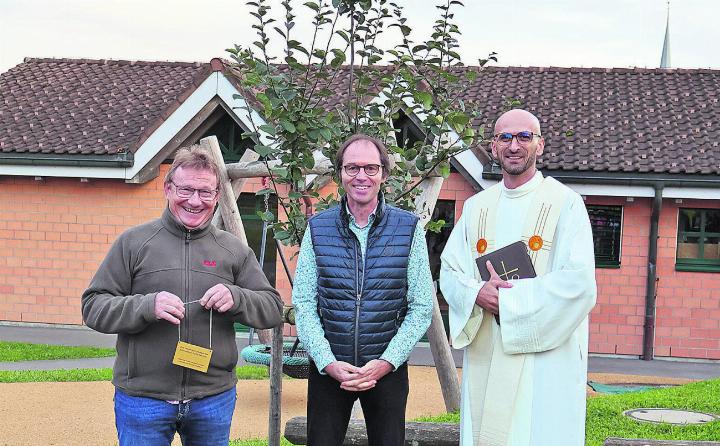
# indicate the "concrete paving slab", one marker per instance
pixel 62 335
pixel 58 364
pixel 656 367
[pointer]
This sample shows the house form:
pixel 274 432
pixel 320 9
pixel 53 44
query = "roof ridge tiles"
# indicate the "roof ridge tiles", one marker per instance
pixel 115 62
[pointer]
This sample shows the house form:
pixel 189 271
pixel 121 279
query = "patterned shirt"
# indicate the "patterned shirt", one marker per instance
pixel 419 298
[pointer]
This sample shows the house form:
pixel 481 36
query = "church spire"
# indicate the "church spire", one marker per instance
pixel 665 58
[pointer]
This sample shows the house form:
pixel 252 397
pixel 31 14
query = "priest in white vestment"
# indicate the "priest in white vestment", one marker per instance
pixel 524 377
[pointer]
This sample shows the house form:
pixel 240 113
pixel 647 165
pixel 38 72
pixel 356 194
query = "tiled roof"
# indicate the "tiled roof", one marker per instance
pixel 89 107
pixel 650 121
pixel 623 121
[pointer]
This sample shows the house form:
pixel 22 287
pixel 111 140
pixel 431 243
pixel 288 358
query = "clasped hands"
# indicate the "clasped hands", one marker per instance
pixel 488 296
pixel 172 309
pixel 358 379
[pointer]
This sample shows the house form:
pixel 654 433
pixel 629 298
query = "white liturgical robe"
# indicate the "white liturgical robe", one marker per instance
pixel 544 319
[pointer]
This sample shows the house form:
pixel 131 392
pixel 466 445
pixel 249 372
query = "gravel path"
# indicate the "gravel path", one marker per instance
pixel 82 413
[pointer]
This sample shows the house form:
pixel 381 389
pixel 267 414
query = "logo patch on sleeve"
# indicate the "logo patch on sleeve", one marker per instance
pixel 210 263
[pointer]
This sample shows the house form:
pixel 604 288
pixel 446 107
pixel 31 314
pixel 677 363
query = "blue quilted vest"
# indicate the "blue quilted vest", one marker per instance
pixel 362 303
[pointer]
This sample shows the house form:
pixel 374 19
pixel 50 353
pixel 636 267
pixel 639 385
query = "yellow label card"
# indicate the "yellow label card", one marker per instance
pixel 192 356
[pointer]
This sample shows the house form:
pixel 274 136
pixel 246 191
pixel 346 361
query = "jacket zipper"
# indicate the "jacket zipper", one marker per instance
pixel 359 284
pixel 186 319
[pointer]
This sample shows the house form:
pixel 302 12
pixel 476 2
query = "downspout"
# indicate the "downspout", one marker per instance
pixel 651 287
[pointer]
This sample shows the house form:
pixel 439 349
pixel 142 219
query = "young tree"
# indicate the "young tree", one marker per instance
pixel 346 81
pixel 314 96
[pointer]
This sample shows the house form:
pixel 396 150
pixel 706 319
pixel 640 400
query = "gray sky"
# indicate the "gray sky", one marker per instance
pixel 587 33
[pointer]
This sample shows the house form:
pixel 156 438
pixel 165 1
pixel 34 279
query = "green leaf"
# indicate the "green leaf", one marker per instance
pixel 423 98
pixel 266 216
pixel 280 172
pixel 338 59
pixel 445 170
pixel 326 134
pixel 458 121
pixel 287 125
pixel 435 225
pixel 269 129
pixel 263 150
pixel 308 162
pixel 312 5
pixel 289 94
pixel 281 235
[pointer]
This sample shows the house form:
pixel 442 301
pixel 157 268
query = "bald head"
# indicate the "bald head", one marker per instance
pixel 517 117
pixel 517 157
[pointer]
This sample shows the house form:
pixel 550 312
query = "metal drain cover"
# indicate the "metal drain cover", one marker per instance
pixel 671 416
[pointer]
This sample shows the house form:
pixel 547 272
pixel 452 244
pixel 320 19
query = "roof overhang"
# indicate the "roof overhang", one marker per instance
pixel 44 159
pixel 133 166
pixel 610 184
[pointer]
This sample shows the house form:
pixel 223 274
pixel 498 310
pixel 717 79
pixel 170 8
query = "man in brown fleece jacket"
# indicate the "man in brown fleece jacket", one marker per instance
pixel 171 286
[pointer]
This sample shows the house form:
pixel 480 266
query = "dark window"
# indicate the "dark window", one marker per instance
pixel 408 133
pixel 698 240
pixel 248 205
pixel 444 210
pixel 229 135
pixel 606 222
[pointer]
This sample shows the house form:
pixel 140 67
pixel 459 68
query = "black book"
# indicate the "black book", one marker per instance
pixel 510 262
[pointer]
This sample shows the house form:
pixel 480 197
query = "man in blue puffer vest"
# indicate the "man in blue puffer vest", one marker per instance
pixel 362 299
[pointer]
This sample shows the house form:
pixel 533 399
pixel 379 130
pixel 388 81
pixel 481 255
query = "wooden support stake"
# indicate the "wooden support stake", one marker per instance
pixel 274 427
pixel 237 185
pixel 228 204
pixel 259 169
pixel 439 346
pixel 233 223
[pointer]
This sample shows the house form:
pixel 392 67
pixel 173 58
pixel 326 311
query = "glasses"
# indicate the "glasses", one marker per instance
pixel 188 192
pixel 523 138
pixel 370 169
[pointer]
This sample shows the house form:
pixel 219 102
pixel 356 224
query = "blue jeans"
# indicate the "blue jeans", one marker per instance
pixel 144 421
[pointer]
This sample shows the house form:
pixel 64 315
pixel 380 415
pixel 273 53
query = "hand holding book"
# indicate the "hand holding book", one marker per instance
pixel 510 262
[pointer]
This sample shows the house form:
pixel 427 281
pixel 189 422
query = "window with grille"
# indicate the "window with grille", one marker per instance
pixel 606 222
pixel 698 242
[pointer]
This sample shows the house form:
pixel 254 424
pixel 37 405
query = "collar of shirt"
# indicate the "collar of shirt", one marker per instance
pixel 371 218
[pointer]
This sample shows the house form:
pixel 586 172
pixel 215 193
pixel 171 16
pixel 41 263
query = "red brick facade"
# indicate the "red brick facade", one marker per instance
pixel 55 231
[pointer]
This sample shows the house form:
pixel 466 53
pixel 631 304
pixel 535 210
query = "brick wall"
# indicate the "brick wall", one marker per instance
pixel 616 323
pixel 54 233
pixel 688 303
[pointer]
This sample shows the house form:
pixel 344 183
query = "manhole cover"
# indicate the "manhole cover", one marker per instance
pixel 672 416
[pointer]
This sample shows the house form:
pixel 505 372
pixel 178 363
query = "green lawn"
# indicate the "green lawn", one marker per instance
pixel 605 418
pixel 105 374
pixel 22 351
pixel 257 442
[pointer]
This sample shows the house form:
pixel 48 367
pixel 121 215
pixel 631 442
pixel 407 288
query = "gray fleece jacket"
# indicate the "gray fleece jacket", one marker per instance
pixel 163 255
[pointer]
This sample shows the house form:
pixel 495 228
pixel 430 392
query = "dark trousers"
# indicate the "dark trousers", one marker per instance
pixel 329 408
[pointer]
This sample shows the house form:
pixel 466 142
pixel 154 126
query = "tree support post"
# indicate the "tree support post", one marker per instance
pixel 439 345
